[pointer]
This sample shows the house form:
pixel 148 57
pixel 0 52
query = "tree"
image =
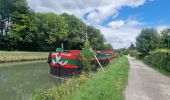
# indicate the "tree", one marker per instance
pixel 132 46
pixel 76 31
pixel 163 39
pixel 51 29
pixel 86 53
pixel 96 38
pixel 147 41
pixel 9 9
pixel 108 46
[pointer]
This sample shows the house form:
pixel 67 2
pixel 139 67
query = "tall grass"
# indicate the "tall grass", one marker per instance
pixel 108 85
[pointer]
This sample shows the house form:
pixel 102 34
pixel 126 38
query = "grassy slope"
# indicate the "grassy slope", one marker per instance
pixel 6 56
pixel 20 81
pixel 108 85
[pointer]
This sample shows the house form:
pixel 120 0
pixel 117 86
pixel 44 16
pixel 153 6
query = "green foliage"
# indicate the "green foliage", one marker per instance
pixel 123 51
pixel 13 19
pixel 107 46
pixel 134 53
pixel 76 31
pixel 86 53
pixel 159 59
pixel 147 41
pixel 23 29
pixel 163 39
pixel 7 9
pixel 96 39
pixel 19 56
pixel 132 47
pixel 151 45
pixel 51 30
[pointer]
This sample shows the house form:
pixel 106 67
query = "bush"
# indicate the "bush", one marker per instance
pixel 134 53
pixel 159 59
pixel 86 53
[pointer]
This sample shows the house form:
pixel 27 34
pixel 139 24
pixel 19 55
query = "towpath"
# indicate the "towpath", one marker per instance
pixel 145 83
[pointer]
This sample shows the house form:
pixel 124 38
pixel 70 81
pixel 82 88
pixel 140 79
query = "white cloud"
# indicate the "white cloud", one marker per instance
pixel 102 14
pixel 116 24
pixel 122 33
pixel 105 8
pixel 134 23
pixel 120 23
pixel 120 37
pixel 110 9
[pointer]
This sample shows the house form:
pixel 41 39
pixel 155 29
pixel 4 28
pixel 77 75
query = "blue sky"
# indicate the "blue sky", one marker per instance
pixel 156 12
pixel 120 21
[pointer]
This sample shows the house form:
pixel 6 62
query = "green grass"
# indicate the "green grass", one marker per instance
pixel 12 56
pixel 19 81
pixel 108 85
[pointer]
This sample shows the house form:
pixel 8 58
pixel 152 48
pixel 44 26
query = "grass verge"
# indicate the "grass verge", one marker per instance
pixel 13 64
pixel 19 56
pixel 108 85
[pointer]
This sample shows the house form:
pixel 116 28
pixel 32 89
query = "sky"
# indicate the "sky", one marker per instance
pixel 120 21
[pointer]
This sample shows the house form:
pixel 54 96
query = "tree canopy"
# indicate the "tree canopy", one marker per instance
pixel 147 41
pixel 23 29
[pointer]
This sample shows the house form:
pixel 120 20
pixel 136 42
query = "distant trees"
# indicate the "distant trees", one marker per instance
pixel 107 46
pixel 132 46
pixel 23 29
pixel 147 40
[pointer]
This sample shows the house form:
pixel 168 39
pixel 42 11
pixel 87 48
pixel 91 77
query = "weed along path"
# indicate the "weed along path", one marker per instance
pixel 145 83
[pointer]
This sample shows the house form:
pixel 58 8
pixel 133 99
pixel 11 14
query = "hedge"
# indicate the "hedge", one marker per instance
pixel 159 59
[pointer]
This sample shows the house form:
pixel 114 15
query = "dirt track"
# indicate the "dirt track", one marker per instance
pixel 145 83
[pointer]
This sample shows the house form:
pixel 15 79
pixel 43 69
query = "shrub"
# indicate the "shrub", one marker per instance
pixel 86 53
pixel 133 53
pixel 159 59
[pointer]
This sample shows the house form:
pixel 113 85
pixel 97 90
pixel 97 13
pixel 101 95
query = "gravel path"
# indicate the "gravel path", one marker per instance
pixel 145 83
